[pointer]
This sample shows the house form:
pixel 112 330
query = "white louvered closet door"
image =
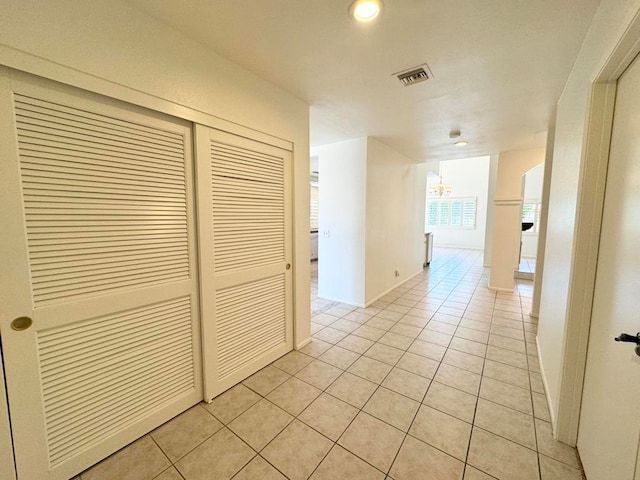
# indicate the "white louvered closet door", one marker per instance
pixel 98 250
pixel 244 218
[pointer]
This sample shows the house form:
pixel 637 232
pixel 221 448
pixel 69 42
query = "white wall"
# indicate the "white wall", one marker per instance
pixel 372 206
pixel 395 219
pixel 507 225
pixel 532 194
pixel 470 178
pixel 342 194
pixel 491 210
pixel 607 28
pixel 113 49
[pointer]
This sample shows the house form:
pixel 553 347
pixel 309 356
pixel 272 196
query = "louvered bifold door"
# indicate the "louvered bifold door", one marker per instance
pixel 244 217
pixel 98 251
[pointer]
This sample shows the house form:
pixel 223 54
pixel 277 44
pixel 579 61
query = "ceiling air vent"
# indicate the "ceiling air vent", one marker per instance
pixel 414 75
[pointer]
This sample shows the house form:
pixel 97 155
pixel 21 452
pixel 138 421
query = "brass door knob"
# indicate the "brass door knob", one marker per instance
pixel 21 323
pixel 288 266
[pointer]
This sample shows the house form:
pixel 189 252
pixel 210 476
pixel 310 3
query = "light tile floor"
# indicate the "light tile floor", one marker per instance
pixel 438 379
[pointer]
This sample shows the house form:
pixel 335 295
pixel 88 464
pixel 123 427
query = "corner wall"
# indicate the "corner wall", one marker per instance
pixel 395 219
pixel 342 221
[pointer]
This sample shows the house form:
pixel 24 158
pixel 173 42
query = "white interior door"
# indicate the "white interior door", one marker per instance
pixel 98 256
pixel 610 416
pixel 245 231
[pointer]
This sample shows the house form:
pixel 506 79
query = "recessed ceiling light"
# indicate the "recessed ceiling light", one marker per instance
pixel 461 143
pixel 365 10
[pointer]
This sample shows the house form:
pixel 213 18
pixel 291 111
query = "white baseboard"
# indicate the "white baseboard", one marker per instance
pixel 374 300
pixel 303 343
pixel 499 289
pixel 546 390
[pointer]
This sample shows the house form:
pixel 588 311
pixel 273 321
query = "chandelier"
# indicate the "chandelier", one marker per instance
pixel 440 189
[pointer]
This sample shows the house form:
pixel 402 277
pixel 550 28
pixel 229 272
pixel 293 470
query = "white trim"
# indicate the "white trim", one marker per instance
pixel 26 62
pixel 504 201
pixel 303 344
pixel 374 300
pixel 500 289
pixel 546 387
pixel 588 228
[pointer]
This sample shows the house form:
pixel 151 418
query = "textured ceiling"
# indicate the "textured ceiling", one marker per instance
pixel 499 66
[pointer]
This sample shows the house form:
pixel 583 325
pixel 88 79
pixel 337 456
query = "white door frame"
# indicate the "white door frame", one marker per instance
pixel 593 175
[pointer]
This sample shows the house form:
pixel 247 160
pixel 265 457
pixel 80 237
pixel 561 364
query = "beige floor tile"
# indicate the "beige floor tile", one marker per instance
pixel 442 431
pixel 515 333
pixel 380 323
pixel 141 460
pixel 506 394
pixel 418 364
pixel 508 343
pixel 507 374
pixel 293 362
pixel 406 330
pixel 369 333
pixel 551 469
pixel 452 401
pixel 416 318
pixel 464 361
pixel 384 353
pixel 339 357
pixel 169 474
pixel 540 407
pixel 393 408
pixel 550 447
pixel 372 440
pixel 407 383
pixel 508 357
pixel 219 457
pixel 184 432
pixel 338 311
pixel 445 318
pixel 441 327
pixel 369 310
pixel 371 369
pixel 396 341
pixel 390 315
pixel 536 382
pixel 468 346
pixel 316 327
pixel 458 378
pixel 297 451
pixel 438 338
pixel 352 389
pixel 395 307
pixel 319 374
pixel 506 422
pixel 502 458
pixel 331 335
pixel 259 468
pixel 429 350
pixel 345 325
pixel 471 334
pixel 260 424
pixel 329 415
pixel 294 395
pixel 417 460
pixel 323 319
pixel 316 347
pixel 232 403
pixel 472 473
pixel 357 317
pixel 355 344
pixel 266 380
pixel 341 464
pixel 475 324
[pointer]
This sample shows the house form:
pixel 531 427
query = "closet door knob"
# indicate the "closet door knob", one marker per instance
pixel 288 266
pixel 21 323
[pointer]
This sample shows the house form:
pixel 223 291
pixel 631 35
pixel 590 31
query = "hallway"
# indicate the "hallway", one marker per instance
pixel 438 379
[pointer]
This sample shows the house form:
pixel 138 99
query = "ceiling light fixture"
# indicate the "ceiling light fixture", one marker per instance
pixel 453 134
pixel 365 10
pixel 440 189
pixel 461 143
